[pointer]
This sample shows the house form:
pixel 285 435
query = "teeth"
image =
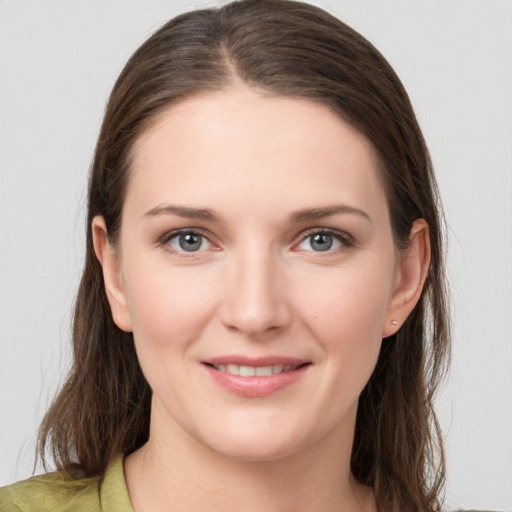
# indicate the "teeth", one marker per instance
pixel 247 371
pixel 233 369
pixel 277 368
pixel 252 371
pixel 263 371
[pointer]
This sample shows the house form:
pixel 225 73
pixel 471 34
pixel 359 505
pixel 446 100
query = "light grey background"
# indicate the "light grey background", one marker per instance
pixel 58 61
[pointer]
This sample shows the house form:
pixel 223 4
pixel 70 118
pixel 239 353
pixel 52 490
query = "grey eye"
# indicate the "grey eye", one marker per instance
pixel 321 242
pixel 189 242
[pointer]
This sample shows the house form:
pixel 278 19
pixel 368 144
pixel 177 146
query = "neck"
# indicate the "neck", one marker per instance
pixel 176 472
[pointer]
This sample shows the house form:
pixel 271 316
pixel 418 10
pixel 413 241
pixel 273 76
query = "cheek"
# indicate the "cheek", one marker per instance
pixel 343 311
pixel 347 303
pixel 168 306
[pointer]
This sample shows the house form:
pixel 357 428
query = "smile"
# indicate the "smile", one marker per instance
pixel 260 377
pixel 255 371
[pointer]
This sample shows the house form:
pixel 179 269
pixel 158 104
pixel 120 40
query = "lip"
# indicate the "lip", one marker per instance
pixel 255 386
pixel 255 361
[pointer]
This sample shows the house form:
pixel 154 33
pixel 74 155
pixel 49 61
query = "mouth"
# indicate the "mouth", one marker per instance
pixel 259 377
pixel 243 370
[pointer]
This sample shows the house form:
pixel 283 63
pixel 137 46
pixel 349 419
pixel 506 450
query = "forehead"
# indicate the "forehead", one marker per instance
pixel 243 142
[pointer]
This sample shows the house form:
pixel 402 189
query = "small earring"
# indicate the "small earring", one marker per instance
pixel 119 318
pixel 394 322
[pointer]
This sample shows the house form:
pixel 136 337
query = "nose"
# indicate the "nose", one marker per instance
pixel 255 299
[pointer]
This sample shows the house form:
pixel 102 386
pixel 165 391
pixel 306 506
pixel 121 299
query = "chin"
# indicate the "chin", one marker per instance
pixel 258 441
pixel 254 450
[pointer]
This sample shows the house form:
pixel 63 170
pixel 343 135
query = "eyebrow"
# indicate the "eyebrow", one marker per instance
pixel 182 211
pixel 298 216
pixel 320 213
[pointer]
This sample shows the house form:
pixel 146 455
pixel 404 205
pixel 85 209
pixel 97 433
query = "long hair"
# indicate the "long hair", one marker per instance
pixel 291 49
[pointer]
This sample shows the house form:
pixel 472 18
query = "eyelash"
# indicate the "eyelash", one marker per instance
pixel 168 237
pixel 345 240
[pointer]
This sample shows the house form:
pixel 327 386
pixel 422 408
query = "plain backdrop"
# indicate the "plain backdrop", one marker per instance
pixel 58 62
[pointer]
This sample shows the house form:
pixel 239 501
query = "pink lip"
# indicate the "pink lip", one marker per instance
pixel 255 386
pixel 255 361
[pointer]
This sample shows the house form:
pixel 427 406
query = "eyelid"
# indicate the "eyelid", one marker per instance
pixel 343 237
pixel 169 235
pixel 175 232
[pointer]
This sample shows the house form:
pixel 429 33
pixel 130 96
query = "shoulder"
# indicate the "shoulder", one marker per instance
pixel 55 492
pixel 51 492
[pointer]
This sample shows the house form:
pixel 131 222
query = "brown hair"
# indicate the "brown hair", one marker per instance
pixel 292 49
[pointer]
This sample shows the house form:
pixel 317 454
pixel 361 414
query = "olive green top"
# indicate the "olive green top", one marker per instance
pixel 53 493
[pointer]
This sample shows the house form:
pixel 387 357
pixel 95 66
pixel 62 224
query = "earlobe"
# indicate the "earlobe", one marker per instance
pixel 412 271
pixel 111 266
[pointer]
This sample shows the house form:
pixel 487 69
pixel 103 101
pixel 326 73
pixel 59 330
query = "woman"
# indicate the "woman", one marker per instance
pixel 261 320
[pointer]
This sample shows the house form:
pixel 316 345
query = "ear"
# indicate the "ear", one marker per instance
pixel 411 272
pixel 110 262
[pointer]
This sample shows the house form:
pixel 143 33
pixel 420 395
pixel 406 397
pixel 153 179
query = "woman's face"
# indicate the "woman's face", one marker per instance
pixel 257 270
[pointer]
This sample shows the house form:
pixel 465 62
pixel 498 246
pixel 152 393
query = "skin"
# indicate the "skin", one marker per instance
pixel 257 286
